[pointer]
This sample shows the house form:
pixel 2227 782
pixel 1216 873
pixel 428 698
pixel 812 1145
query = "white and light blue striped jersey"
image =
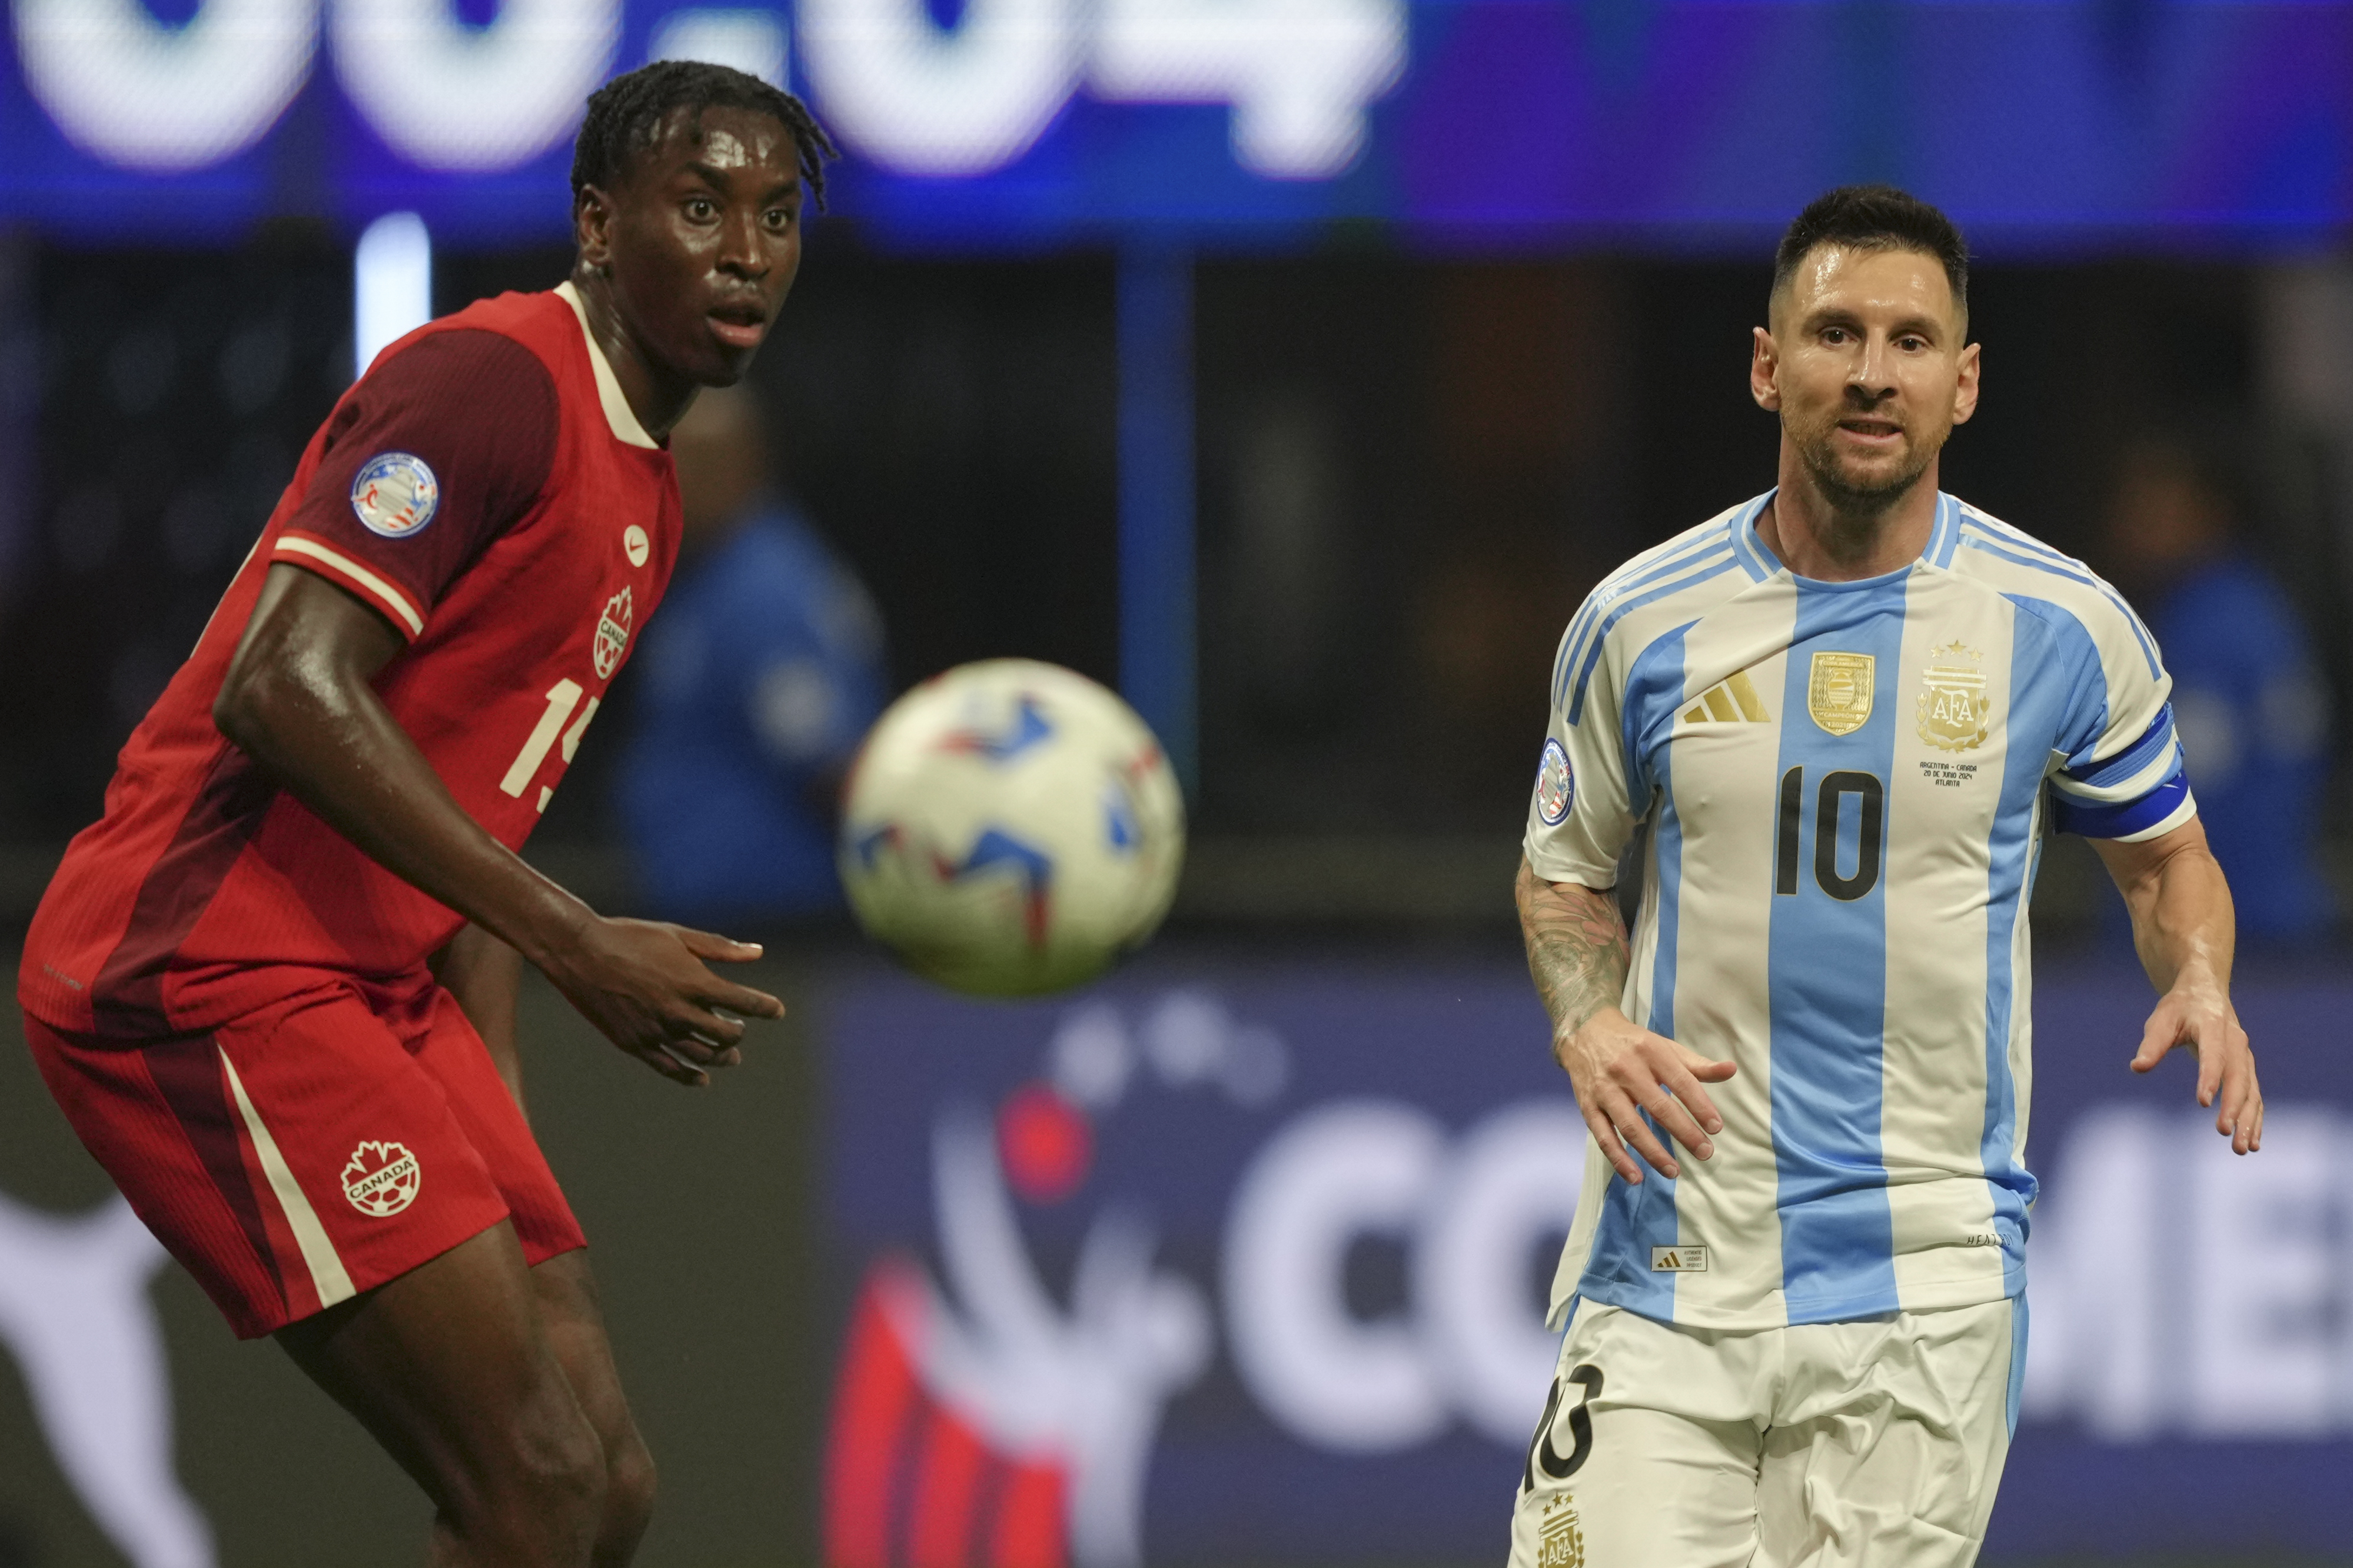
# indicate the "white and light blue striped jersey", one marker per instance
pixel 1845 785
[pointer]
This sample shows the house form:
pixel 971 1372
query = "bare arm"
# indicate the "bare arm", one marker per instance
pixel 486 977
pixel 297 700
pixel 2184 930
pixel 1576 952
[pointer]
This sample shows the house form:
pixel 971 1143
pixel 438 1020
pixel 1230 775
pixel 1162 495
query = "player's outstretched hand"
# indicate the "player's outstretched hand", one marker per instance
pixel 646 987
pixel 2197 1016
pixel 1620 1069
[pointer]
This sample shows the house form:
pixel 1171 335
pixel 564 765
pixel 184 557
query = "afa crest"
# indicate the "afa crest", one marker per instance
pixel 1837 691
pixel 1560 1542
pixel 1956 713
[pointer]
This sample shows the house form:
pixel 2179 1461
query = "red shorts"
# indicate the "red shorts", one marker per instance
pixel 311 1148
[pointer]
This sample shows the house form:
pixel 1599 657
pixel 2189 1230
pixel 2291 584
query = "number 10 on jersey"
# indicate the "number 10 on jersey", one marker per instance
pixel 1830 807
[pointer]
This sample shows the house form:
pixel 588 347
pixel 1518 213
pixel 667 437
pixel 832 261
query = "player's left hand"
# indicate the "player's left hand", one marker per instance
pixel 646 987
pixel 2196 1015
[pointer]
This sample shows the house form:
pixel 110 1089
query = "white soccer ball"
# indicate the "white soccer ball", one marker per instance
pixel 1011 828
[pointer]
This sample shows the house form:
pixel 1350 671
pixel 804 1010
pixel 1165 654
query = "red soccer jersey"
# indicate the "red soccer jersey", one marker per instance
pixel 486 489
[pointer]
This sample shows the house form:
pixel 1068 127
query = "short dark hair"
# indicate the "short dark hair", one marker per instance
pixel 626 117
pixel 1876 217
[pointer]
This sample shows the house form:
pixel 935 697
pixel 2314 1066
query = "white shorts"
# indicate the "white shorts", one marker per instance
pixel 1876 1444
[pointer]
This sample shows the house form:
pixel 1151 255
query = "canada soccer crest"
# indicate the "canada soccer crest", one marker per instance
pixel 381 1179
pixel 613 634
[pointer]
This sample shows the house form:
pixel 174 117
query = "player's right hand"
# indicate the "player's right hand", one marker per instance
pixel 646 987
pixel 1620 1069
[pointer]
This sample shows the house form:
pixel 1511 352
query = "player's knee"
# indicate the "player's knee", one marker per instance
pixel 629 1483
pixel 565 1463
pixel 548 1497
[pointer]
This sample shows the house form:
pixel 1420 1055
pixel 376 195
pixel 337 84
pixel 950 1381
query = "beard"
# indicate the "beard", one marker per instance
pixel 1866 497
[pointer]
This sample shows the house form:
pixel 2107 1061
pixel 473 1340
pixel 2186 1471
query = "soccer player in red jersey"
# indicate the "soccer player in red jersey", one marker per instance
pixel 274 987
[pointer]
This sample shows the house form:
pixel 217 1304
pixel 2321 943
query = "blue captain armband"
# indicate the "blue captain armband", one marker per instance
pixel 2138 792
pixel 2156 743
pixel 2168 806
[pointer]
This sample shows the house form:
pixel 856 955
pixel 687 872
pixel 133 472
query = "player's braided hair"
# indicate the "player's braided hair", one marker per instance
pixel 1876 217
pixel 626 117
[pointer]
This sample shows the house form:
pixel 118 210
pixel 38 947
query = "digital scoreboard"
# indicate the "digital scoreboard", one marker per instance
pixel 1653 124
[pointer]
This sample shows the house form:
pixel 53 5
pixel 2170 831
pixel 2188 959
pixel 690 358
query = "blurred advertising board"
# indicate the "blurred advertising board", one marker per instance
pixel 2189 1373
pixel 1247 1264
pixel 1230 1260
pixel 1033 122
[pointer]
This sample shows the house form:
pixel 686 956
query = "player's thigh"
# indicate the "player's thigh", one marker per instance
pixel 576 1330
pixel 1656 1490
pixel 495 1127
pixel 1891 1445
pixel 1645 1455
pixel 550 1238
pixel 451 1368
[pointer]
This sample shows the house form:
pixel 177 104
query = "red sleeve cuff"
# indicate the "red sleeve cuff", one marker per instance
pixel 385 596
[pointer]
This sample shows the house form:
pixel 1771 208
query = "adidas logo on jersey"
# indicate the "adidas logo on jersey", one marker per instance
pixel 1733 700
pixel 1679 1260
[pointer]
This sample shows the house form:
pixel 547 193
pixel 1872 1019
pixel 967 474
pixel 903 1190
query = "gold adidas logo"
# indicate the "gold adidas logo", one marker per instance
pixel 1729 702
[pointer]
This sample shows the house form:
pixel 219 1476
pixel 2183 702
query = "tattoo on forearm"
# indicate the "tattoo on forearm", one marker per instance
pixel 1576 951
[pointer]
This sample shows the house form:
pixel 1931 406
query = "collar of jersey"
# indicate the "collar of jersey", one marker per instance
pixel 619 414
pixel 1757 556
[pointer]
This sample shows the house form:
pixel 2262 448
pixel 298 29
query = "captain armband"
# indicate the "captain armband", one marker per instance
pixel 2160 809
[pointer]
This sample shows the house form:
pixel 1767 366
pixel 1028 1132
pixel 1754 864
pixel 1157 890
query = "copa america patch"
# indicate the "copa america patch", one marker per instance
pixel 395 494
pixel 1556 785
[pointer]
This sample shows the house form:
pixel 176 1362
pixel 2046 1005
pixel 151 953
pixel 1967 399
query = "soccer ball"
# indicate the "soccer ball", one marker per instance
pixel 1011 828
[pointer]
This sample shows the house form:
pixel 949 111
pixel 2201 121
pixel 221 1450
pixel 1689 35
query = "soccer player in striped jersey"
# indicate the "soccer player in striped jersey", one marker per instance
pixel 1845 711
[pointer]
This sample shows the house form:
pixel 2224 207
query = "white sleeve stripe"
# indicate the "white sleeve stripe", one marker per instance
pixel 2173 819
pixel 2162 767
pixel 358 577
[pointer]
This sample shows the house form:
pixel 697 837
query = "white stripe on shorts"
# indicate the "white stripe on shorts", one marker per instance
pixel 328 1276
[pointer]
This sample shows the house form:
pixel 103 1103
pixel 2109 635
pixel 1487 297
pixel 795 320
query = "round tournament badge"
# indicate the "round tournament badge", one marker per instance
pixel 1556 785
pixel 395 494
